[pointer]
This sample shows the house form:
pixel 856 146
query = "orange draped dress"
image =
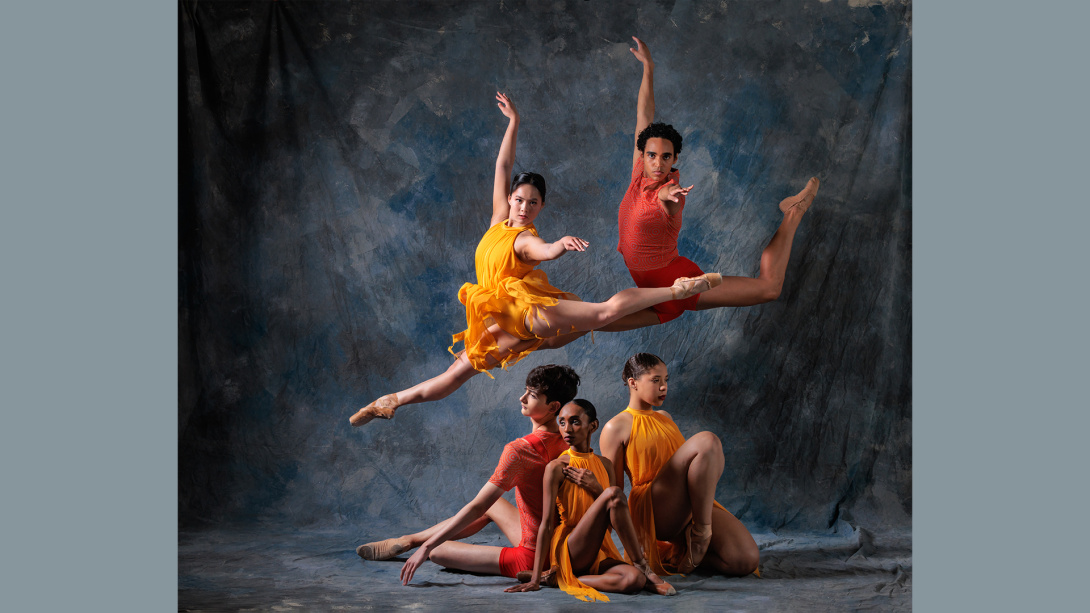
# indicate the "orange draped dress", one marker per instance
pixel 573 502
pixel 653 441
pixel 508 291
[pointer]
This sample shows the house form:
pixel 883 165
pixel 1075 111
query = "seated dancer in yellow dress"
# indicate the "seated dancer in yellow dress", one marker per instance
pixel 512 308
pixel 585 561
pixel 673 481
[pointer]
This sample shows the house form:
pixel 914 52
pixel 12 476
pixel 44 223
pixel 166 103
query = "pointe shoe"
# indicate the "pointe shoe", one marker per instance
pixel 685 287
pixel 697 540
pixel 803 199
pixel 382 408
pixel 548 577
pixel 383 550
pixel 654 582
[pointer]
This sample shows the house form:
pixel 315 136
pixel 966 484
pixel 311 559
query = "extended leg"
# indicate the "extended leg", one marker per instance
pixel 463 556
pixel 441 386
pixel 502 512
pixel 584 316
pixel 744 291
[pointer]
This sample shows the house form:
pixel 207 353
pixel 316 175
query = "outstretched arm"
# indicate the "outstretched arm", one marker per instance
pixel 550 487
pixel 477 507
pixel 645 104
pixel 532 249
pixel 505 161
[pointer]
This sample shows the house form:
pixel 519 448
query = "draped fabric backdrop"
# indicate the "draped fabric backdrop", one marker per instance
pixel 335 177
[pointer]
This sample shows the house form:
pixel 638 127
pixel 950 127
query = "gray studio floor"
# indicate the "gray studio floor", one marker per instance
pixel 252 569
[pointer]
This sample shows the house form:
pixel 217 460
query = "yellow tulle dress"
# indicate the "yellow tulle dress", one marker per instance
pixel 507 291
pixel 573 502
pixel 652 443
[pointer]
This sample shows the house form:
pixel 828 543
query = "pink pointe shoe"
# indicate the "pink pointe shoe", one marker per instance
pixel 383 408
pixel 803 199
pixel 685 287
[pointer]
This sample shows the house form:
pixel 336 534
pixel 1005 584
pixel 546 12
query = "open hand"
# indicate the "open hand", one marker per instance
pixel 413 563
pixel 507 107
pixel 642 53
pixel 532 586
pixel 583 477
pixel 671 191
pixel 572 243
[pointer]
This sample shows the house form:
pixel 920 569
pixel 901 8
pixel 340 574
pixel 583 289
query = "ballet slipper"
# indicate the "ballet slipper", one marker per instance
pixel 654 582
pixel 803 199
pixel 383 408
pixel 548 577
pixel 384 550
pixel 697 539
pixel 685 287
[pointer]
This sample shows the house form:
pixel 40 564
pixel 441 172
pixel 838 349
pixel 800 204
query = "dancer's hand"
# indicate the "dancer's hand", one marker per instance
pixel 532 586
pixel 671 191
pixel 584 478
pixel 507 107
pixel 572 243
pixel 414 562
pixel 642 53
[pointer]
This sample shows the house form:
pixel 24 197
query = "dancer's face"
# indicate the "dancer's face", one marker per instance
pixel 575 427
pixel 650 387
pixel 658 158
pixel 536 405
pixel 525 203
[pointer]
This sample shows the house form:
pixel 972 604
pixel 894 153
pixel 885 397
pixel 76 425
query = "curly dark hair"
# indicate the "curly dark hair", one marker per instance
pixel 532 178
pixel 588 409
pixel 555 382
pixel 659 130
pixel 639 364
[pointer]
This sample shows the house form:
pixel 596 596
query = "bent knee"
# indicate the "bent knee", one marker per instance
pixel 632 583
pixel 615 496
pixel 708 442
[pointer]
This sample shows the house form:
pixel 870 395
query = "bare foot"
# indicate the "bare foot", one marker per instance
pixel 382 408
pixel 803 199
pixel 384 550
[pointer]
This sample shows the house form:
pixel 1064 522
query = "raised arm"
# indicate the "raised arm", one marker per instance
pixel 645 104
pixel 476 508
pixel 550 486
pixel 505 161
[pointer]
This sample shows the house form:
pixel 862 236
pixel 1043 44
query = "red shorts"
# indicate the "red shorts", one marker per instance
pixel 515 559
pixel 665 277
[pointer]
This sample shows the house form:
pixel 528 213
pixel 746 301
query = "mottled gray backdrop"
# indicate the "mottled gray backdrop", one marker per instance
pixel 335 177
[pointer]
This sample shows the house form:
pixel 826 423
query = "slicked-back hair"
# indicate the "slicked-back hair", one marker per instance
pixel 588 409
pixel 639 364
pixel 556 382
pixel 659 130
pixel 532 178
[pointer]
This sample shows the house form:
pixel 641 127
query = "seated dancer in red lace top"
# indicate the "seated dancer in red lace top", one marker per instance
pixel 522 466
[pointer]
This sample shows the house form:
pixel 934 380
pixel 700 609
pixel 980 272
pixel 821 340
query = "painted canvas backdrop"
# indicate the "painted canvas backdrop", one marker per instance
pixel 335 176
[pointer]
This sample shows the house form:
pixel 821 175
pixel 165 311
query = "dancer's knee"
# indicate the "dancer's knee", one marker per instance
pixel 708 443
pixel 615 497
pixel 631 582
